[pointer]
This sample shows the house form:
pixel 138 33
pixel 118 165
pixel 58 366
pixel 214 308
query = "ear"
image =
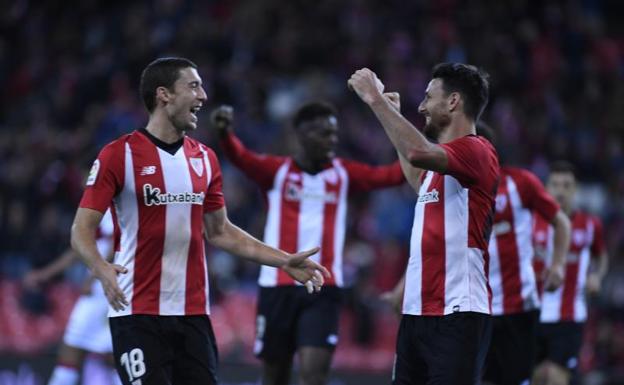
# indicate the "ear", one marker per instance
pixel 454 100
pixel 163 95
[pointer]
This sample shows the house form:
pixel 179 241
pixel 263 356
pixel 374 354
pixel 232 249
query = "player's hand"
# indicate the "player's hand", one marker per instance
pixel 553 278
pixel 305 271
pixel 593 283
pixel 222 119
pixel 394 99
pixel 366 84
pixel 107 274
pixel 34 279
pixel 394 299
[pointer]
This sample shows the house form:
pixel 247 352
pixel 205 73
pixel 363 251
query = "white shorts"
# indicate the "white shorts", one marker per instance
pixel 88 323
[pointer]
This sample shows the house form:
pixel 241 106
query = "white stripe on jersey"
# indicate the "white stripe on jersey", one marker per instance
pixel 177 179
pixel 311 210
pixel 340 225
pixel 128 218
pixel 523 226
pixel 456 239
pixel 496 278
pixel 268 274
pixel 413 284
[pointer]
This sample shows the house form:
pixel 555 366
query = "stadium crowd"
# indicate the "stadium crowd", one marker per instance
pixel 69 74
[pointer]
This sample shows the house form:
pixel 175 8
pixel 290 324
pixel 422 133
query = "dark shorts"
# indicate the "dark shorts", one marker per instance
pixel 560 342
pixel 511 357
pixel 163 350
pixel 289 318
pixel 447 349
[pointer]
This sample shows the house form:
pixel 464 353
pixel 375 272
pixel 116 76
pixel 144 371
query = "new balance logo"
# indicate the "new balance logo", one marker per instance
pixel 148 170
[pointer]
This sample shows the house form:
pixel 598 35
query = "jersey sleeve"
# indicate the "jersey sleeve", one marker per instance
pixel 258 167
pixel 468 159
pixel 535 197
pixel 214 199
pixel 364 177
pixel 105 179
pixel 598 245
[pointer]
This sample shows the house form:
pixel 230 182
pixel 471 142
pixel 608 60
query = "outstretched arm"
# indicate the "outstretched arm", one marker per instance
pixel 221 233
pixel 37 277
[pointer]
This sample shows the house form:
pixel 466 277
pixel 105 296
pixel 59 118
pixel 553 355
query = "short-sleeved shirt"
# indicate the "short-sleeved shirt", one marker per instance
pixel 158 200
pixel 568 302
pixel 512 278
pixel 448 267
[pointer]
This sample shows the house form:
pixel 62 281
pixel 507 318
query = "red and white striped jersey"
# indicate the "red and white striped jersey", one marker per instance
pixel 448 267
pixel 512 278
pixel 543 246
pixel 568 302
pixel 305 210
pixel 159 200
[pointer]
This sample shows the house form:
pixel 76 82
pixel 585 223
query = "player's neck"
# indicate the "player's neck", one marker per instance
pixel 162 129
pixel 459 127
pixel 306 164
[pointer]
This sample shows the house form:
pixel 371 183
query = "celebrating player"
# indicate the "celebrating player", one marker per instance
pixel 564 311
pixel 307 205
pixel 515 302
pixel 445 329
pixel 166 191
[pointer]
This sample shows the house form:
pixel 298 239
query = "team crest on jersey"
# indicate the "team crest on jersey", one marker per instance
pixel 95 169
pixel 501 202
pixel 198 166
pixel 294 177
pixel 431 196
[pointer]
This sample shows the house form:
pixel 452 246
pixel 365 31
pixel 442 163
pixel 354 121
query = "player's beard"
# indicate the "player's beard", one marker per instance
pixel 434 128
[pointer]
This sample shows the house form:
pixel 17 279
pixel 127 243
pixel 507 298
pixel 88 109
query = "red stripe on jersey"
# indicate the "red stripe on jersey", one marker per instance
pixel 195 301
pixel 116 229
pixel 508 254
pixel 569 291
pixel 329 227
pixel 289 221
pixel 151 232
pixel 434 255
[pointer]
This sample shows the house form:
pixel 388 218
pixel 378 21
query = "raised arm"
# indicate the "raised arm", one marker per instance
pixel 406 138
pixel 222 233
pixel 258 167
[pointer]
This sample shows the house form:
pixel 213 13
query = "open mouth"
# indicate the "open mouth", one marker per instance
pixel 194 110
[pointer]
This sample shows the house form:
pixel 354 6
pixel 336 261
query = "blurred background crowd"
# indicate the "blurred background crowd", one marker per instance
pixel 69 73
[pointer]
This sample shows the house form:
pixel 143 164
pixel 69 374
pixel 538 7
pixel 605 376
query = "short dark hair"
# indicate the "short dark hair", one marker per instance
pixel 313 110
pixel 562 166
pixel 471 83
pixel 162 72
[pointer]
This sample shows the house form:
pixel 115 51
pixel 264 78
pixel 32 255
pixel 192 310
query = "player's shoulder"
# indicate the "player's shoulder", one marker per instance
pixel 118 145
pixel 518 174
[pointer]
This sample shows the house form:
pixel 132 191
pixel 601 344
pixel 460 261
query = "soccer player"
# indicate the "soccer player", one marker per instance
pixel 446 324
pixel 564 311
pixel 307 205
pixel 515 299
pixel 87 330
pixel 165 189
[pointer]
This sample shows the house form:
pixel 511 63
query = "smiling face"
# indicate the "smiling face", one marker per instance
pixel 435 107
pixel 184 100
pixel 319 138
